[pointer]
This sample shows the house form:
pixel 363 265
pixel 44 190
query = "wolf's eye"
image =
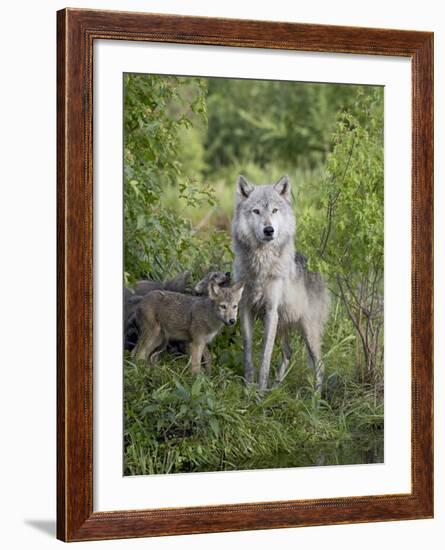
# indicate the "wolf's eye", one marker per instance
pixel 235 306
pixel 223 306
pixel 275 210
pixel 255 211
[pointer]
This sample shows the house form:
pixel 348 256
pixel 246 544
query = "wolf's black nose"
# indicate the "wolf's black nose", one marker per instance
pixel 232 321
pixel 268 231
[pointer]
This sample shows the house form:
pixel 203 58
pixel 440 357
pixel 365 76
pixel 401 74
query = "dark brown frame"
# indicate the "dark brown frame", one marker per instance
pixel 76 32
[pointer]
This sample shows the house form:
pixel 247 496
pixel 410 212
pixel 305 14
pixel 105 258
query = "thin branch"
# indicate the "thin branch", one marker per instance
pixel 332 203
pixel 351 316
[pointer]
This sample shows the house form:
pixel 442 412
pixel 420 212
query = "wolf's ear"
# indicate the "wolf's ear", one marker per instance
pixel 282 187
pixel 213 290
pixel 243 188
pixel 238 288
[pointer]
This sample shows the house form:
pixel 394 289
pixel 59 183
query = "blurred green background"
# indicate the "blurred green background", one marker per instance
pixel 186 140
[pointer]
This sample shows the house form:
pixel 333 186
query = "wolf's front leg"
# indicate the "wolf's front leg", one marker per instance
pixel 207 356
pixel 271 323
pixel 197 349
pixel 246 329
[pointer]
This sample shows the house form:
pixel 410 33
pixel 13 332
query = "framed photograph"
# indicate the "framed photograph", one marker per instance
pixel 245 288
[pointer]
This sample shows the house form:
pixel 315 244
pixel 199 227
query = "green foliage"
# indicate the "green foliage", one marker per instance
pixel 185 142
pixel 157 112
pixel 342 227
pixel 257 121
pixel 177 422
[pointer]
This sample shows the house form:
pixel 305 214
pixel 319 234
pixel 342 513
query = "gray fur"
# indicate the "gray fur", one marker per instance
pixel 133 298
pixel 177 284
pixel 277 286
pixel 219 277
pixel 166 316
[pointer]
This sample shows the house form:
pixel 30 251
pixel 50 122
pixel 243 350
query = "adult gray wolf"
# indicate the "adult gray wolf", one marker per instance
pixel 164 316
pixel 277 285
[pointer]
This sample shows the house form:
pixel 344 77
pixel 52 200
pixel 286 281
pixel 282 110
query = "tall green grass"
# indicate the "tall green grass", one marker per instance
pixel 176 422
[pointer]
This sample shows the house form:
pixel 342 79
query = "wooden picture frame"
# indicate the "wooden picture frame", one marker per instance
pixel 76 32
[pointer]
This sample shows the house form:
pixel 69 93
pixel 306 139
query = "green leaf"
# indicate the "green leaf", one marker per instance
pixel 149 409
pixel 214 424
pixel 196 387
pixel 181 391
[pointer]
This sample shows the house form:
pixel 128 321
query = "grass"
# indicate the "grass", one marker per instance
pixel 176 422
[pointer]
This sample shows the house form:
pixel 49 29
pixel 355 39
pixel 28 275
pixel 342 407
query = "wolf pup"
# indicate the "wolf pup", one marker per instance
pixel 219 277
pixel 163 316
pixel 278 287
pixel 179 284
